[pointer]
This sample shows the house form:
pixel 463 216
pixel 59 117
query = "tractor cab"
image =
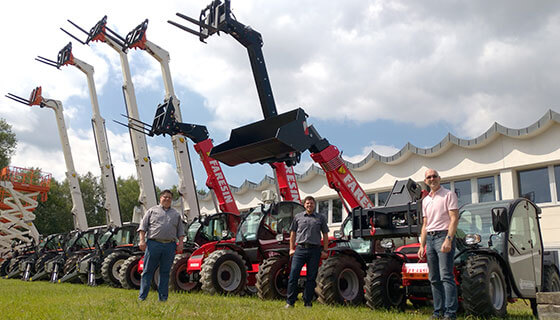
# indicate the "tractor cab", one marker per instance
pixel 214 227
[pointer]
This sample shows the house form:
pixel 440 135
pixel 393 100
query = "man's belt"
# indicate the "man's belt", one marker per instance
pixel 308 245
pixel 434 233
pixel 162 240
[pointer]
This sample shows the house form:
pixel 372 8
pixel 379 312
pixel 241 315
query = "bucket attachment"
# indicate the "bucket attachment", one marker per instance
pixel 281 138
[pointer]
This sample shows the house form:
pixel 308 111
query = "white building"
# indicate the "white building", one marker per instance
pixel 502 163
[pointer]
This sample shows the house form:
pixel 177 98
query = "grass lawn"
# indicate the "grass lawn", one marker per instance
pixel 43 300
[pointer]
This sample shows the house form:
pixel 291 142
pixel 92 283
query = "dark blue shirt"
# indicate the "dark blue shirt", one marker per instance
pixel 308 227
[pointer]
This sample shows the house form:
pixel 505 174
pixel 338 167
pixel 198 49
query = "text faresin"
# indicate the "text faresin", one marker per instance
pixel 353 186
pixel 292 184
pixel 222 183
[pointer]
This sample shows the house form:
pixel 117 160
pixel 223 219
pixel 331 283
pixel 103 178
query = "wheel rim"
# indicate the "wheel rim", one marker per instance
pixel 348 284
pixel 182 278
pixel 135 276
pixel 496 288
pixel 229 275
pixel 116 268
pixel 394 291
pixel 281 282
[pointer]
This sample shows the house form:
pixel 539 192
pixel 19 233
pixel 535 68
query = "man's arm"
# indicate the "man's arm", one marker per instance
pixel 454 216
pixel 423 234
pixel 292 242
pixel 142 243
pixel 325 253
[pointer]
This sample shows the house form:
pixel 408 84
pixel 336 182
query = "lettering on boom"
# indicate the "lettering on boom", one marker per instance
pixel 292 184
pixel 222 183
pixel 356 190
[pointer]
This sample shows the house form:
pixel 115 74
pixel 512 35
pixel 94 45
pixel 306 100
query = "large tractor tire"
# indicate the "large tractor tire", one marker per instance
pixel 179 279
pixel 272 278
pixel 4 267
pixel 223 272
pixel 340 281
pixel 155 279
pixel 551 279
pixel 129 277
pixel 110 268
pixel 383 285
pixel 484 287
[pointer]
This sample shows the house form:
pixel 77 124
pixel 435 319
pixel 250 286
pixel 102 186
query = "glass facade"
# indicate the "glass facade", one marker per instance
pixel 382 197
pixel 557 180
pixel 534 185
pixel 446 185
pixel 486 189
pixel 323 208
pixel 463 191
pixel 336 211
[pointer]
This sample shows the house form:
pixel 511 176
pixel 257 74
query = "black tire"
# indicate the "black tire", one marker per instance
pixel 155 279
pixel 179 279
pixel 383 285
pixel 223 272
pixel 272 278
pixel 340 281
pixel 4 267
pixel 110 268
pixel 484 287
pixel 129 277
pixel 551 280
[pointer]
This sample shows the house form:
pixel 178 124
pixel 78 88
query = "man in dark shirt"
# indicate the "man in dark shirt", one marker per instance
pixel 306 231
pixel 162 225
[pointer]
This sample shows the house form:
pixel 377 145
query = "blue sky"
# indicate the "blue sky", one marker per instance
pixel 372 75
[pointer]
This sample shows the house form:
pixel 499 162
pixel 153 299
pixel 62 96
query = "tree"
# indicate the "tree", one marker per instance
pixel 8 143
pixel 94 199
pixel 128 191
pixel 54 215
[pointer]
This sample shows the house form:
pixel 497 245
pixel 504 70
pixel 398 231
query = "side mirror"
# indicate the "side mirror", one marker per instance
pixel 500 219
pixel 205 221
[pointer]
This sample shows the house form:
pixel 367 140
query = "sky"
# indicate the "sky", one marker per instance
pixel 371 75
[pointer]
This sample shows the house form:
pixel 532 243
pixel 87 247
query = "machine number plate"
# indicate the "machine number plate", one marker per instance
pixel 416 267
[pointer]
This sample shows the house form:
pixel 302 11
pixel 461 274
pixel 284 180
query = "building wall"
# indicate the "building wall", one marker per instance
pixel 501 153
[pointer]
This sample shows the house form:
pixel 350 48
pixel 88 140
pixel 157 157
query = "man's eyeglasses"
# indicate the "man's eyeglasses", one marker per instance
pixel 433 176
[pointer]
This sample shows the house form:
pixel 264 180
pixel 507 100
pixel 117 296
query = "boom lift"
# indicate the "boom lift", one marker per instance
pixel 147 197
pixel 277 138
pixel 78 211
pixel 65 57
pixel 187 189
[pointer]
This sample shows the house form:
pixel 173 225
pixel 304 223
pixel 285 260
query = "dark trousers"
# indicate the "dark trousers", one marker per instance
pixel 157 254
pixel 311 257
pixel 440 264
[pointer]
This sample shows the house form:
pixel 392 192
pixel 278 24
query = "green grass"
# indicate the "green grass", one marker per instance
pixel 43 300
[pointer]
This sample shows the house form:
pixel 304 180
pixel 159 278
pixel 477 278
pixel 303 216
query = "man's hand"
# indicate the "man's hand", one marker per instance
pixel 179 247
pixel 324 254
pixel 292 251
pixel 421 252
pixel 142 245
pixel 446 246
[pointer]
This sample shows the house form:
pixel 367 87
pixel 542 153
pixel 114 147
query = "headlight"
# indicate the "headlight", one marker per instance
pixel 337 234
pixel 387 244
pixel 225 233
pixel 280 237
pixel 471 239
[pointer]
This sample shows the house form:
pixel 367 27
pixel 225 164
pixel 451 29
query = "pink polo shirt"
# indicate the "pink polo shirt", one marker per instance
pixel 436 209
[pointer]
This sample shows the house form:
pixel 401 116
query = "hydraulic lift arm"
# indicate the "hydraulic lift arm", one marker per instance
pixel 100 32
pixel 65 57
pixel 187 189
pixel 78 211
pixel 165 122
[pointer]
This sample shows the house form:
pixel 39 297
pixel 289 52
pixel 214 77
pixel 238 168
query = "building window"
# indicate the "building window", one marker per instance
pixel 534 185
pixel 486 189
pixel 323 208
pixel 446 185
pixel 463 191
pixel 371 197
pixel 557 179
pixel 382 198
pixel 336 211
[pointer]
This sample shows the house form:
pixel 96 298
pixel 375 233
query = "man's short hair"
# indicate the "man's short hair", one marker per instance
pixel 311 199
pixel 166 191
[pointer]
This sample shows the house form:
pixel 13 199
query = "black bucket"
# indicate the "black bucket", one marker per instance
pixel 277 139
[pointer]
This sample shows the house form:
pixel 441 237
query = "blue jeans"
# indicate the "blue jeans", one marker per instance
pixel 311 257
pixel 161 254
pixel 444 289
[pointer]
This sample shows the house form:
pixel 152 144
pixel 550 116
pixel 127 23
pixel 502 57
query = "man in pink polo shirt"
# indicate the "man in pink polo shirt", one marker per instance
pixel 441 216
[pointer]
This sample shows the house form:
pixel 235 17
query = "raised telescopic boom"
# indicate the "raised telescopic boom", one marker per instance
pixel 78 211
pixel 278 138
pixel 187 188
pixel 165 122
pixel 65 57
pixel 147 198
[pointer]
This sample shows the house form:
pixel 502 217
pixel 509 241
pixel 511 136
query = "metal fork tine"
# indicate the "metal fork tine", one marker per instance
pixel 47 63
pixel 115 34
pixel 17 99
pixel 136 120
pixel 49 60
pixel 134 128
pixel 197 22
pixel 77 26
pixel 73 36
pixel 196 33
